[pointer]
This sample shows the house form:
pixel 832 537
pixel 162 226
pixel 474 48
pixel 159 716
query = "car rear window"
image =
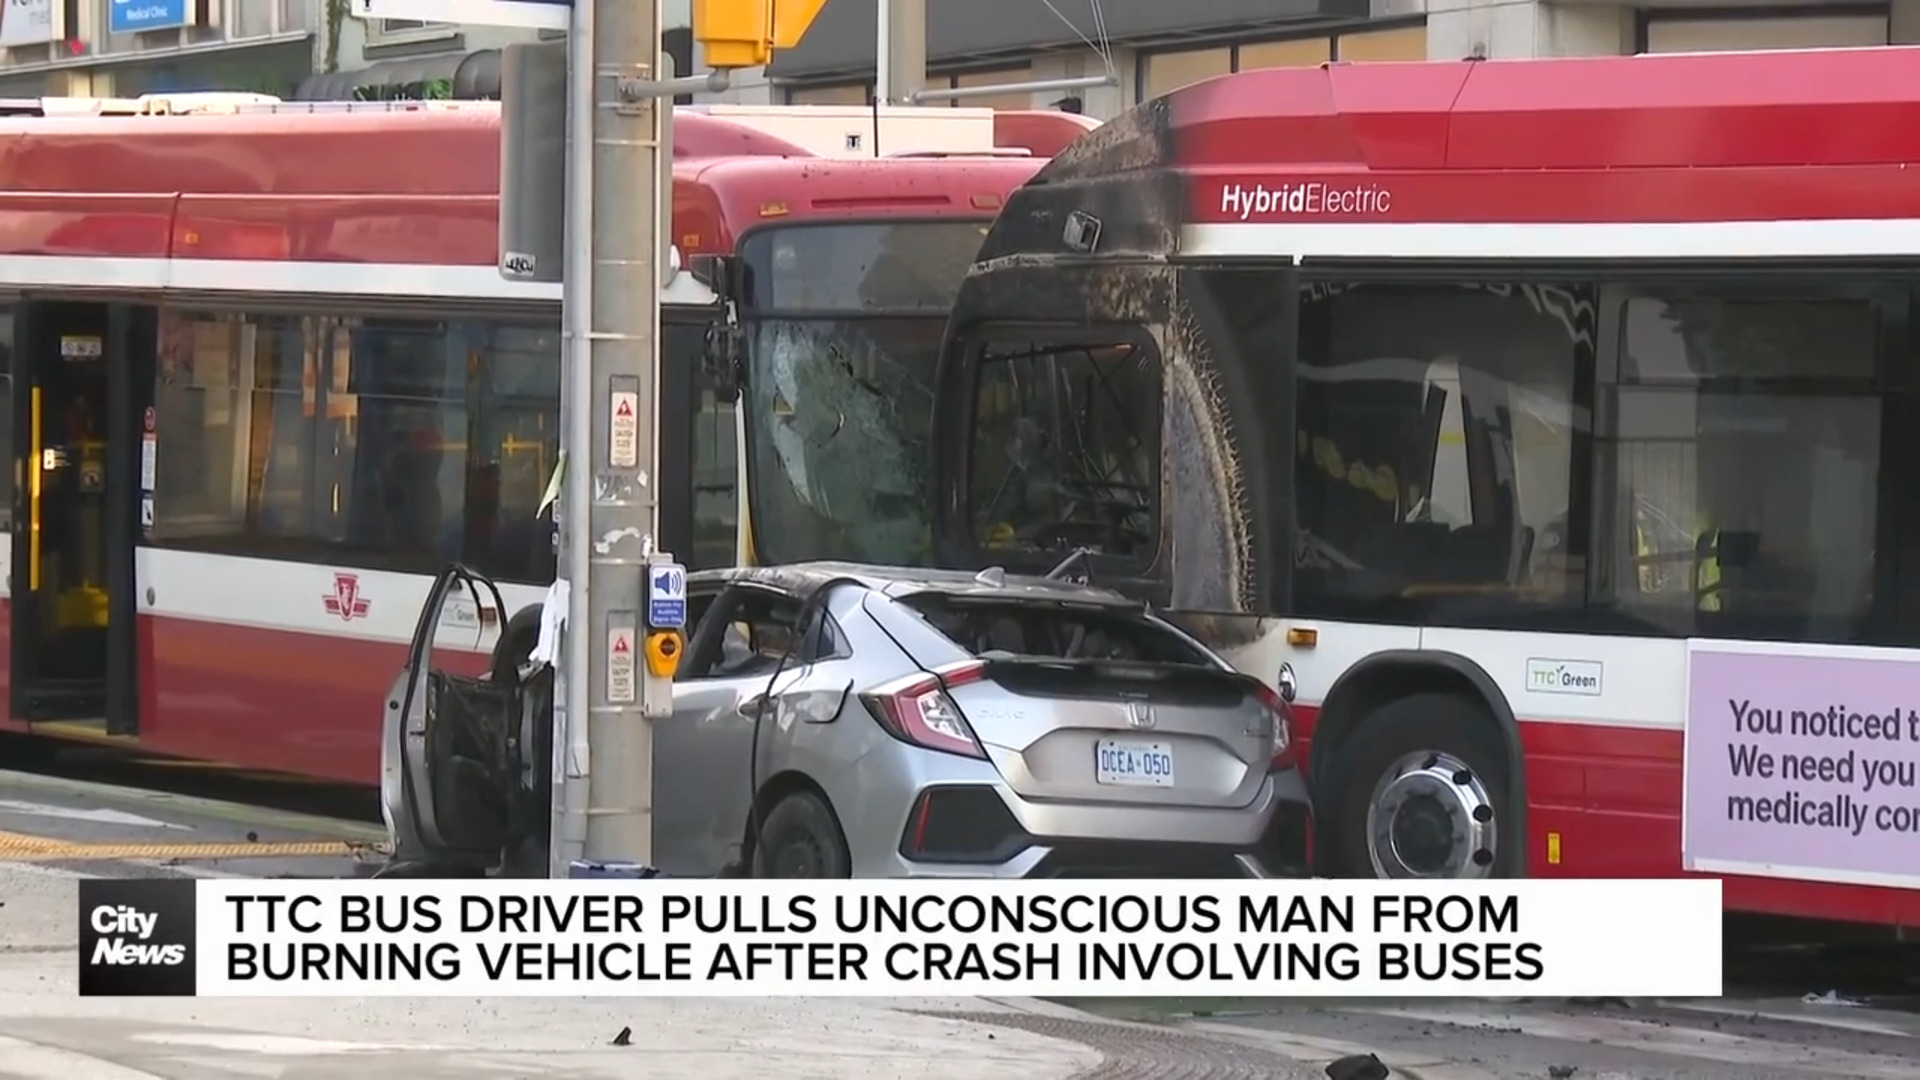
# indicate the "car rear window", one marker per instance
pixel 1054 631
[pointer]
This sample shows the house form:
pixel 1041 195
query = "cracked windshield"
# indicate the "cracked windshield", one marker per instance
pixel 845 341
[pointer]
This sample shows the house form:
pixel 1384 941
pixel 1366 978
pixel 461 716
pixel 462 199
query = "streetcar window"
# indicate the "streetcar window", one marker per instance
pixel 390 444
pixel 1435 447
pixel 1066 449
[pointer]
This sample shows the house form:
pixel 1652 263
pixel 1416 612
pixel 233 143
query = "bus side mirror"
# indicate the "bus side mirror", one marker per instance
pixel 725 350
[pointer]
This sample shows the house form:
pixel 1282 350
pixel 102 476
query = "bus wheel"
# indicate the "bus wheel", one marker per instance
pixel 1421 793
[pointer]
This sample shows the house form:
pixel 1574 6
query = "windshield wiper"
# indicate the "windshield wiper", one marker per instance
pixel 1079 555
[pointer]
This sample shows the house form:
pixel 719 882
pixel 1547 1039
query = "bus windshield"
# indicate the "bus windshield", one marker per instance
pixel 846 323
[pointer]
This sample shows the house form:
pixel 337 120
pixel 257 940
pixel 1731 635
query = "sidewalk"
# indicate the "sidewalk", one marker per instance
pixel 48 1031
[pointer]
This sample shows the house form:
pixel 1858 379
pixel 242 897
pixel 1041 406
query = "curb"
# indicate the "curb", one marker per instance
pixel 1043 1007
pixel 1864 1019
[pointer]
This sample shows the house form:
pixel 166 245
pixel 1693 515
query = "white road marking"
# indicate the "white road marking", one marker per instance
pixel 286 1045
pixel 23 1060
pixel 103 817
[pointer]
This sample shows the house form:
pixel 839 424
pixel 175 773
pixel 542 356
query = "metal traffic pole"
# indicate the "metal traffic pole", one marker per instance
pixel 626 600
pixel 612 295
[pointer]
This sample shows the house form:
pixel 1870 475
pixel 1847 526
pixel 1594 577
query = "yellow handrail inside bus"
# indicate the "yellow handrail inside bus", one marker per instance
pixel 33 493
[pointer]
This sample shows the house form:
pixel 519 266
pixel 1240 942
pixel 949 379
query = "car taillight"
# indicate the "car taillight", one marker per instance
pixel 917 710
pixel 1282 728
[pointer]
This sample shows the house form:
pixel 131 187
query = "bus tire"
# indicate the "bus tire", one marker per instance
pixel 1420 791
pixel 801 839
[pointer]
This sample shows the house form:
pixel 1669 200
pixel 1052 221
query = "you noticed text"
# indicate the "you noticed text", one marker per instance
pixel 1807 765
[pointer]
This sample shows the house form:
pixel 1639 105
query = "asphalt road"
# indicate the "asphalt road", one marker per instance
pixel 1763 1031
pixel 104 830
pixel 1728 1039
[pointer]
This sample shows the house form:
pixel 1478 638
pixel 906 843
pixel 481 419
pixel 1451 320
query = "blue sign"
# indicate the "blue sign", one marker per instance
pixel 667 597
pixel 140 16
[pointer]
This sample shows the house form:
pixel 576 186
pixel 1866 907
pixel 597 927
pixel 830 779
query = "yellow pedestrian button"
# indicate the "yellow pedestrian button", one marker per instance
pixel 663 653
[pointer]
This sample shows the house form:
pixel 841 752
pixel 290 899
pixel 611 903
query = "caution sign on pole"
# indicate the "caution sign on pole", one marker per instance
pixel 624 430
pixel 620 671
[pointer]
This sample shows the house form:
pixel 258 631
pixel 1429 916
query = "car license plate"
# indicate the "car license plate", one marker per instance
pixel 1133 764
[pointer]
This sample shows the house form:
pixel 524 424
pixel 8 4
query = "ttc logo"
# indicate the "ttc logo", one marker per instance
pixel 136 938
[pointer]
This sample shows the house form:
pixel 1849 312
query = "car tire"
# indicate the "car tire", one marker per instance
pixel 801 839
pixel 1420 790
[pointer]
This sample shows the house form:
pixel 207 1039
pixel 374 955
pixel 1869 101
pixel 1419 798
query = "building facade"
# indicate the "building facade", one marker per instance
pixel 127 47
pixel 1149 47
pixel 314 50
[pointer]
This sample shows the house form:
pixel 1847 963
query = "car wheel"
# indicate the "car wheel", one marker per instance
pixel 1420 791
pixel 801 839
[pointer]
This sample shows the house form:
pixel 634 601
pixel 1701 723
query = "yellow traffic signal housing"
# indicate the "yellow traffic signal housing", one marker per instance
pixel 744 33
pixel 791 18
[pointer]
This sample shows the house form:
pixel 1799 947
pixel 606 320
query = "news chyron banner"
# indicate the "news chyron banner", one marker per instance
pixel 731 938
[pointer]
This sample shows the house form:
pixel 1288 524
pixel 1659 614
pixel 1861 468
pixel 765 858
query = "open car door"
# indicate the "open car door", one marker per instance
pixel 465 782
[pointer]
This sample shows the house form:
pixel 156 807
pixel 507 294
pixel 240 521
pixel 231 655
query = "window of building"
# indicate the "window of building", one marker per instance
pixel 862 93
pixel 1435 457
pixel 849 94
pixel 995 77
pixel 1740 459
pixel 1401 43
pixel 1681 34
pixel 399 31
pixel 1163 73
pixel 264 18
pixel 1300 52
pixel 1066 448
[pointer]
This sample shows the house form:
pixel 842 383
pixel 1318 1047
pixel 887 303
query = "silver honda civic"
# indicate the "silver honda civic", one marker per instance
pixel 837 720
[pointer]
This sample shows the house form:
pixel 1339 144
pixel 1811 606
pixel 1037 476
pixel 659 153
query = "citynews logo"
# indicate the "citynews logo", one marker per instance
pixel 108 919
pixel 136 938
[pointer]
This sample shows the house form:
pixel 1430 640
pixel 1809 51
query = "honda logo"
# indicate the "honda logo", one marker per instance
pixel 1139 714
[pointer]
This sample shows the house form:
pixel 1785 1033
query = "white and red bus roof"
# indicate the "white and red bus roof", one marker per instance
pixel 1732 155
pixel 398 202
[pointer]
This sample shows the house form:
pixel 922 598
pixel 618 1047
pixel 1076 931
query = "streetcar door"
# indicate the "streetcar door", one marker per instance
pixel 74 516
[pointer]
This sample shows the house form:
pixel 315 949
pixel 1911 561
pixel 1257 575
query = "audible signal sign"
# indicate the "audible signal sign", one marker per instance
pixel 667 596
pixel 137 938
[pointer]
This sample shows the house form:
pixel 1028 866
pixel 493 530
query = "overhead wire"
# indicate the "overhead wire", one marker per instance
pixel 1099 43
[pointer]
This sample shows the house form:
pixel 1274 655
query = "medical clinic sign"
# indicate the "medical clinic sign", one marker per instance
pixel 1803 761
pixel 140 16
pixel 31 22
